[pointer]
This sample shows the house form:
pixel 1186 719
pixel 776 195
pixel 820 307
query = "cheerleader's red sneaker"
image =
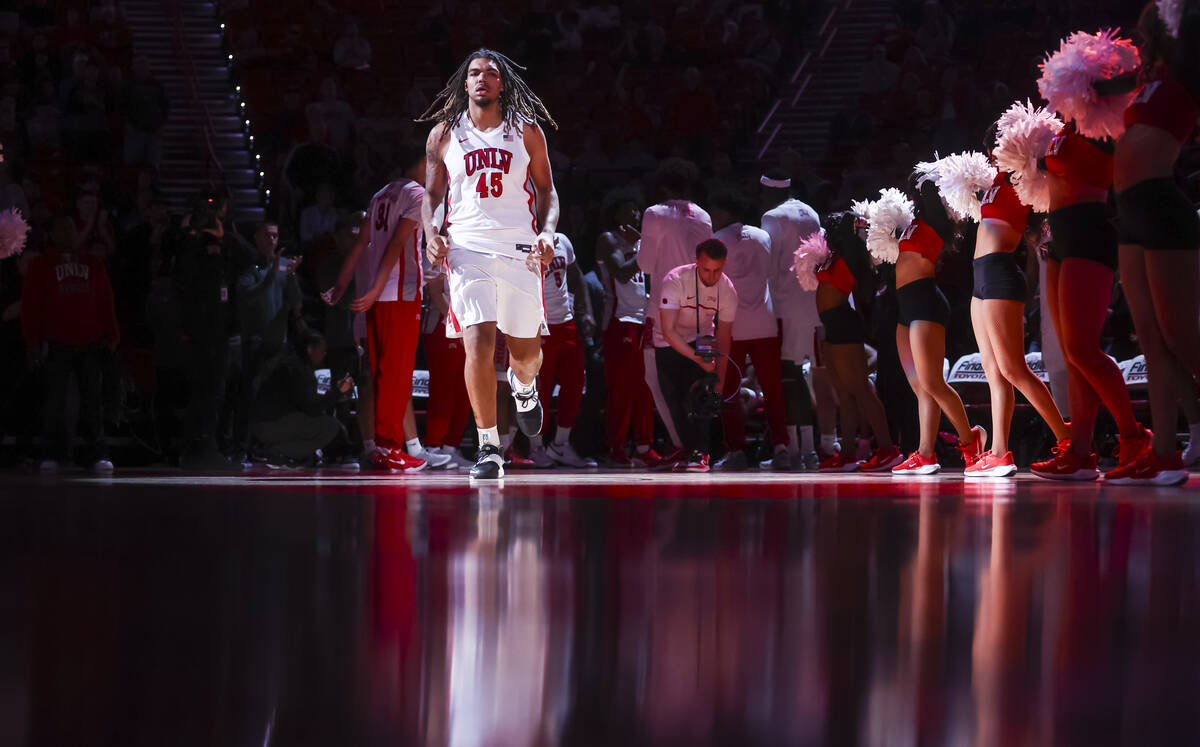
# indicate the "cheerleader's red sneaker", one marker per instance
pixel 1129 449
pixel 839 462
pixel 917 465
pixel 1149 469
pixel 975 450
pixel 882 460
pixel 990 465
pixel 1065 464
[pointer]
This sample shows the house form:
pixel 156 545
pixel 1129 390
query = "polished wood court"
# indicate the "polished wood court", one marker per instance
pixel 328 608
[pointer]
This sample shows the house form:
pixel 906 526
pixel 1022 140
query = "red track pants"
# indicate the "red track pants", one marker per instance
pixel 449 407
pixel 629 399
pixel 393 328
pixel 562 362
pixel 764 353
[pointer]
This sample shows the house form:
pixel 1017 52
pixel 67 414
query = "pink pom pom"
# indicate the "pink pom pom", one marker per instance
pixel 13 232
pixel 1068 74
pixel 812 253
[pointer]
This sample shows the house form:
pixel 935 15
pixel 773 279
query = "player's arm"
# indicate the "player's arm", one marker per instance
pixel 547 196
pixel 615 263
pixel 667 318
pixel 647 251
pixel 334 294
pixel 436 184
pixel 583 299
pixel 435 289
pixel 390 257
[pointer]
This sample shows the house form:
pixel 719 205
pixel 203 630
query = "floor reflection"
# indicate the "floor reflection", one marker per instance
pixel 947 614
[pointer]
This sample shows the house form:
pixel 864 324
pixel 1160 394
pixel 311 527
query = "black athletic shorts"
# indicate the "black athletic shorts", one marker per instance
pixel 922 301
pixel 998 277
pixel 843 325
pixel 1083 231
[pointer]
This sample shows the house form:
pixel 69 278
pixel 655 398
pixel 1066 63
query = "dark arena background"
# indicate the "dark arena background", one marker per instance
pixel 174 571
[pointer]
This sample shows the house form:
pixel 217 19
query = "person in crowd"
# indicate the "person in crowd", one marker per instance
pixel 1078 169
pixel 1159 252
pixel 385 265
pixel 836 261
pixel 755 332
pixel 484 152
pixel 351 51
pixel 630 403
pixel 318 219
pixel 145 105
pixel 564 299
pixel 69 321
pixel 671 230
pixel 294 420
pixel 697 308
pixel 788 221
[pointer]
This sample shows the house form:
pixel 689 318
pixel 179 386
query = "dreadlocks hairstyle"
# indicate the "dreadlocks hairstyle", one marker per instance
pixel 517 101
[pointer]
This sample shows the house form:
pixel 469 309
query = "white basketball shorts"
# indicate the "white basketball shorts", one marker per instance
pixel 492 288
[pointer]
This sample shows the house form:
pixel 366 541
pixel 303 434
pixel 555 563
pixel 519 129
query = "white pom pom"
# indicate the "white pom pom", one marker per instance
pixel 808 258
pixel 1171 13
pixel 959 179
pixel 13 232
pixel 886 218
pixel 1068 74
pixel 1023 133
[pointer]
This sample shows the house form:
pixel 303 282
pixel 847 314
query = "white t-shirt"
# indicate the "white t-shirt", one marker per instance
pixel 748 268
pixel 679 291
pixel 624 302
pixel 491 195
pixel 788 224
pixel 398 200
pixel 556 299
pixel 670 233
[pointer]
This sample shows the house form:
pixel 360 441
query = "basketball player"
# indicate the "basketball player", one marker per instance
pixel 629 400
pixel 562 354
pixel 487 157
pixel 755 332
pixel 789 221
pixel 386 266
pixel 671 231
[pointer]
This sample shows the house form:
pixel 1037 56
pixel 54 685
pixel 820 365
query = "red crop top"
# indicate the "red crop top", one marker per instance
pixel 920 238
pixel 838 275
pixel 1072 155
pixel 1000 202
pixel 1164 103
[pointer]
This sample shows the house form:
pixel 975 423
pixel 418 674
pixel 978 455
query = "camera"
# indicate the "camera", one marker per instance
pixel 706 348
pixel 703 400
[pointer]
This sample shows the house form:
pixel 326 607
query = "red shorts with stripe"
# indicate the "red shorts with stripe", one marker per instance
pixel 393 330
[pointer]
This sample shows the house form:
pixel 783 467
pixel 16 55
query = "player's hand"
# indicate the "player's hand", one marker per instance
pixel 542 253
pixel 365 301
pixel 708 366
pixel 295 263
pixel 587 326
pixel 437 248
pixel 333 295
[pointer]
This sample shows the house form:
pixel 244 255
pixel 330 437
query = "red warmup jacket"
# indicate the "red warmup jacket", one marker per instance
pixel 66 298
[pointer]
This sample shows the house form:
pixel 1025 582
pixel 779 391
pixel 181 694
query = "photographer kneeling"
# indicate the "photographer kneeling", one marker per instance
pixel 697 304
pixel 294 418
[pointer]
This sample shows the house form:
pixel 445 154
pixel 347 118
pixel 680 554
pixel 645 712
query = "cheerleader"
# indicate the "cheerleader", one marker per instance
pixel 1159 238
pixel 914 244
pixel 1071 180
pixel 975 190
pixel 833 263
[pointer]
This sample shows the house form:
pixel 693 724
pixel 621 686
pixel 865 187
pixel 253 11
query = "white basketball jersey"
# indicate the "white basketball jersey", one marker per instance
pixel 398 200
pixel 624 302
pixel 491 198
pixel 555 296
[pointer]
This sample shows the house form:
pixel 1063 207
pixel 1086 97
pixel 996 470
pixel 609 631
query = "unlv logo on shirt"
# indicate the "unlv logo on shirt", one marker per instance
pixel 990 196
pixel 487 158
pixel 1147 92
pixel 908 232
pixel 1056 144
pixel 71 270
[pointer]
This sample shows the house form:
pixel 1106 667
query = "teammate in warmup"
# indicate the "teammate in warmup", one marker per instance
pixel 486 156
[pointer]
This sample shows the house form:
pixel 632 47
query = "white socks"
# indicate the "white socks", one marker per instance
pixel 490 436
pixel 413 446
pixel 806 439
pixel 828 443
